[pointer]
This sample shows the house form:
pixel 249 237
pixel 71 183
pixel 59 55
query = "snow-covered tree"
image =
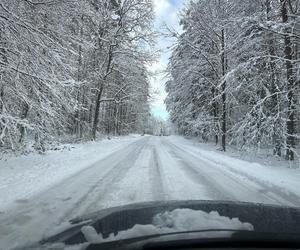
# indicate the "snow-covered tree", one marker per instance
pixel 234 73
pixel 65 64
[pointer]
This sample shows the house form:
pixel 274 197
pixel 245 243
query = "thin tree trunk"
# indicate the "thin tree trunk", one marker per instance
pixel 215 114
pixel 273 83
pixel 77 121
pixel 99 94
pixel 96 113
pixel 4 59
pixel 115 119
pixel 23 116
pixel 1 112
pixel 223 62
pixel 1 98
pixel 290 141
pixel 81 113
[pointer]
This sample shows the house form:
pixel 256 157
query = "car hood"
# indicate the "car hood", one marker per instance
pixel 264 218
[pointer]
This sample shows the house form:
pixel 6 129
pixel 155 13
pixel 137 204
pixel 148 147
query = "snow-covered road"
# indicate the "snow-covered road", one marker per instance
pixel 143 169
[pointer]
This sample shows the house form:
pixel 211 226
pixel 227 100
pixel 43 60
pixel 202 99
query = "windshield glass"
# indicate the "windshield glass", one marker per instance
pixel 106 103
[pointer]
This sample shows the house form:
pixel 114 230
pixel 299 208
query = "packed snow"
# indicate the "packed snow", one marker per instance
pixel 26 175
pixel 272 174
pixel 188 220
pixel 178 220
pixel 43 192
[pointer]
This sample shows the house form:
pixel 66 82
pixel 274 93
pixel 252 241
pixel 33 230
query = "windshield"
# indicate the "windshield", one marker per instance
pixel 106 103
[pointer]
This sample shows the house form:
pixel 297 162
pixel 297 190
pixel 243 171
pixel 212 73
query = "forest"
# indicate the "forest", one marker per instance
pixel 234 74
pixel 73 69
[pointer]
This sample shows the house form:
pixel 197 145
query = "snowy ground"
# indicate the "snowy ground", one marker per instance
pixel 40 193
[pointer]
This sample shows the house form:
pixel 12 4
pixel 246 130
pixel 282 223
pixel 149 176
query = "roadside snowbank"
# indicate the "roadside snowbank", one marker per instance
pixel 279 178
pixel 26 175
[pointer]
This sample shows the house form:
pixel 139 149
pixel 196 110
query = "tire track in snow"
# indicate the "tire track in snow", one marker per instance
pixel 231 187
pixel 176 183
pixel 156 176
pixel 90 201
pixel 136 184
pixel 272 190
pixel 55 206
pixel 215 192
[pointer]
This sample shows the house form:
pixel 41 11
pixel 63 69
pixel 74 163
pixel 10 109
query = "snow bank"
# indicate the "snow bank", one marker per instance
pixel 177 220
pixel 27 175
pixel 280 179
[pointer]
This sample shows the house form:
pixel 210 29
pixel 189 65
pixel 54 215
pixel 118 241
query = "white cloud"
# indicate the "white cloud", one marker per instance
pixel 161 7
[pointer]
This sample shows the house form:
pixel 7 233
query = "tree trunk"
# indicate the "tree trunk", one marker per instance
pixel 115 119
pixel 77 117
pixel 215 114
pixel 1 112
pixel 100 90
pixel 1 98
pixel 290 140
pixel 96 113
pixel 23 116
pixel 273 83
pixel 223 62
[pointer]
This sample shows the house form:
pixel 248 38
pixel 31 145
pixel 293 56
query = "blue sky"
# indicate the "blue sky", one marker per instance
pixel 166 13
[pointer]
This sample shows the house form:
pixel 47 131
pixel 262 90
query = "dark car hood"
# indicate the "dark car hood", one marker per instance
pixel 264 218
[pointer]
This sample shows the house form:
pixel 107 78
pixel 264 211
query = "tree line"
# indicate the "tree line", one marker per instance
pixel 234 74
pixel 73 68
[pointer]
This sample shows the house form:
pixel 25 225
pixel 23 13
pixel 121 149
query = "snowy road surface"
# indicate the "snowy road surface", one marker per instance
pixel 134 170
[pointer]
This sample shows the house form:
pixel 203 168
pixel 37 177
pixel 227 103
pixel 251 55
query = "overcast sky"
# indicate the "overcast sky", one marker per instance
pixel 166 12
